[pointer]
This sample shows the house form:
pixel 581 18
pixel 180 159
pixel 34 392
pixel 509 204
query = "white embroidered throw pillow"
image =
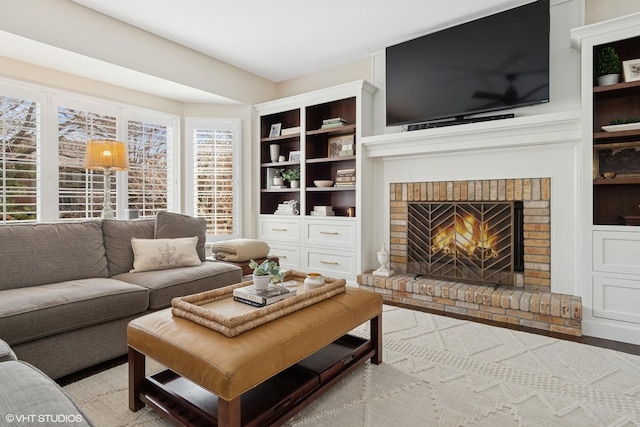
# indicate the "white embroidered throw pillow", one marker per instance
pixel 160 254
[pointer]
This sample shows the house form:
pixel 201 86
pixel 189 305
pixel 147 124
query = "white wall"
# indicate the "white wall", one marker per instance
pixel 358 70
pixel 601 10
pixel 564 73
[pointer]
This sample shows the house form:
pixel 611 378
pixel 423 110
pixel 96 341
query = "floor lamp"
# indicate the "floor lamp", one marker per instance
pixel 106 155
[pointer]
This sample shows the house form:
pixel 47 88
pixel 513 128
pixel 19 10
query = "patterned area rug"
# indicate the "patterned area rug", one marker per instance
pixel 442 371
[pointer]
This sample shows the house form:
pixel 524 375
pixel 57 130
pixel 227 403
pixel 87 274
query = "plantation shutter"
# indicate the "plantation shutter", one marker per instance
pixel 81 191
pixel 214 179
pixel 19 159
pixel 149 167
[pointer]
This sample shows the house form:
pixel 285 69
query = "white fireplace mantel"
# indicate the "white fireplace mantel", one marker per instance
pixel 516 132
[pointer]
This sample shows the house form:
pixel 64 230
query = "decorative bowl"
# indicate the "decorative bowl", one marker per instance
pixel 609 175
pixel 323 183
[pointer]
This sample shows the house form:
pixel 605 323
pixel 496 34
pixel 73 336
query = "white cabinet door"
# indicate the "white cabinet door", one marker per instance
pixel 616 251
pixel 615 298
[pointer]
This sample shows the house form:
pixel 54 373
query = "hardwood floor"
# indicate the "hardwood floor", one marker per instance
pixel 597 342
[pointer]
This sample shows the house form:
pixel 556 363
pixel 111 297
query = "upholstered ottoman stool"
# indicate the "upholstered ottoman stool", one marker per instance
pixel 232 379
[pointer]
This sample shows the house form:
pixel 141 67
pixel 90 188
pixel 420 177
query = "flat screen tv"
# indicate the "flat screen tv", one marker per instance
pixel 493 63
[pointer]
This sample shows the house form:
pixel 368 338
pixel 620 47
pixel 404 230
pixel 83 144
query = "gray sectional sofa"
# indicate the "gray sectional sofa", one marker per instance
pixel 67 293
pixel 30 398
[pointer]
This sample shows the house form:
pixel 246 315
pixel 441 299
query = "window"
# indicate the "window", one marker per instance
pixel 43 138
pixel 215 150
pixel 19 120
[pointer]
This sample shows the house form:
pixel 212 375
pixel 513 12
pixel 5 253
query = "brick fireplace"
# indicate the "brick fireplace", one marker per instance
pixel 520 297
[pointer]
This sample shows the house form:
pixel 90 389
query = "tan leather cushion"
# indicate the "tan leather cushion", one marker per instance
pixel 230 366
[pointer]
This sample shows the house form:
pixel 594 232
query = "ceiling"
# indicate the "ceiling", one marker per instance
pixel 285 39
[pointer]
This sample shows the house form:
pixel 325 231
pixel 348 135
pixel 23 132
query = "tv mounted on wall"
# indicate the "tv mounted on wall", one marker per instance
pixel 493 63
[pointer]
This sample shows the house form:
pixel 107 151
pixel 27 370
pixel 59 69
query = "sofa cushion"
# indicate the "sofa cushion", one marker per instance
pixel 26 391
pixel 37 254
pixel 6 353
pixel 117 241
pixel 164 285
pixel 170 225
pixel 161 254
pixel 34 312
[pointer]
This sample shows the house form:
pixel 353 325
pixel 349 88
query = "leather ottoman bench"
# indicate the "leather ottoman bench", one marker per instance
pixel 224 371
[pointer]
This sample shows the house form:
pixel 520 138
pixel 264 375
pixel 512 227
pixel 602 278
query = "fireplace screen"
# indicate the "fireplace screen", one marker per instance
pixel 477 242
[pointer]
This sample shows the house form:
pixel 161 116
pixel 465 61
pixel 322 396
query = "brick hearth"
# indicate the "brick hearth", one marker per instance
pixel 529 303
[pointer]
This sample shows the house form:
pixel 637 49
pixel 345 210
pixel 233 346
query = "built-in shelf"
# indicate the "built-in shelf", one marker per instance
pixel 620 136
pixel 346 129
pixel 615 181
pixel 280 138
pixel 616 87
pixel 345 188
pixel 331 159
pixel 280 190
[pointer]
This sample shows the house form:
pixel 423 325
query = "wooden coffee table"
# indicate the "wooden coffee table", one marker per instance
pixel 263 376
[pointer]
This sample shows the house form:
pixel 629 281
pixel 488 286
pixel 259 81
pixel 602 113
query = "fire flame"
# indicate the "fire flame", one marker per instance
pixel 465 236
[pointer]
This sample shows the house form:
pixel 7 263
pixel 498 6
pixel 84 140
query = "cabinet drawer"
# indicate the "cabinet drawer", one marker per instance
pixel 289 255
pixel 331 233
pixel 617 299
pixel 331 263
pixel 280 229
pixel 616 251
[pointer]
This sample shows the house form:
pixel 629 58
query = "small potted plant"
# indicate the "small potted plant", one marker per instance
pixel 266 272
pixel 607 66
pixel 293 176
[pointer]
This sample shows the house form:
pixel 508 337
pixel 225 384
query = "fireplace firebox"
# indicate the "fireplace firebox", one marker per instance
pixel 479 242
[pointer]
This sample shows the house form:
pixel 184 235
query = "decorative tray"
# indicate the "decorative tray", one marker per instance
pixel 217 310
pixel 617 128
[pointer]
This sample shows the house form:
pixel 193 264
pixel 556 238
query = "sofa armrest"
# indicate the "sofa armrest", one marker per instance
pixel 6 353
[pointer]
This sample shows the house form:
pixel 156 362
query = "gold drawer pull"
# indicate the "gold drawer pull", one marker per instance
pixel 329 232
pixel 278 256
pixel 328 262
pixel 278 229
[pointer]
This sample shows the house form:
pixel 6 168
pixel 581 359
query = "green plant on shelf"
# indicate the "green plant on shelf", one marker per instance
pixel 607 62
pixel 624 121
pixel 291 174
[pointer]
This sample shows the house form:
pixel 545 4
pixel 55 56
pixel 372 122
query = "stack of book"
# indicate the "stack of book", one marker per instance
pixel 290 131
pixel 260 298
pixel 345 178
pixel 322 211
pixel 333 123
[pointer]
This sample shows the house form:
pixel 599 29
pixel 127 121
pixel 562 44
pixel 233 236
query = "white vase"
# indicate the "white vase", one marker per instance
pixel 274 152
pixel 609 79
pixel 277 180
pixel 295 184
pixel 313 280
pixel 261 282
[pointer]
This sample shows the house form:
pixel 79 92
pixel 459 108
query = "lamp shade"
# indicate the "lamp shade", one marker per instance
pixel 106 154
